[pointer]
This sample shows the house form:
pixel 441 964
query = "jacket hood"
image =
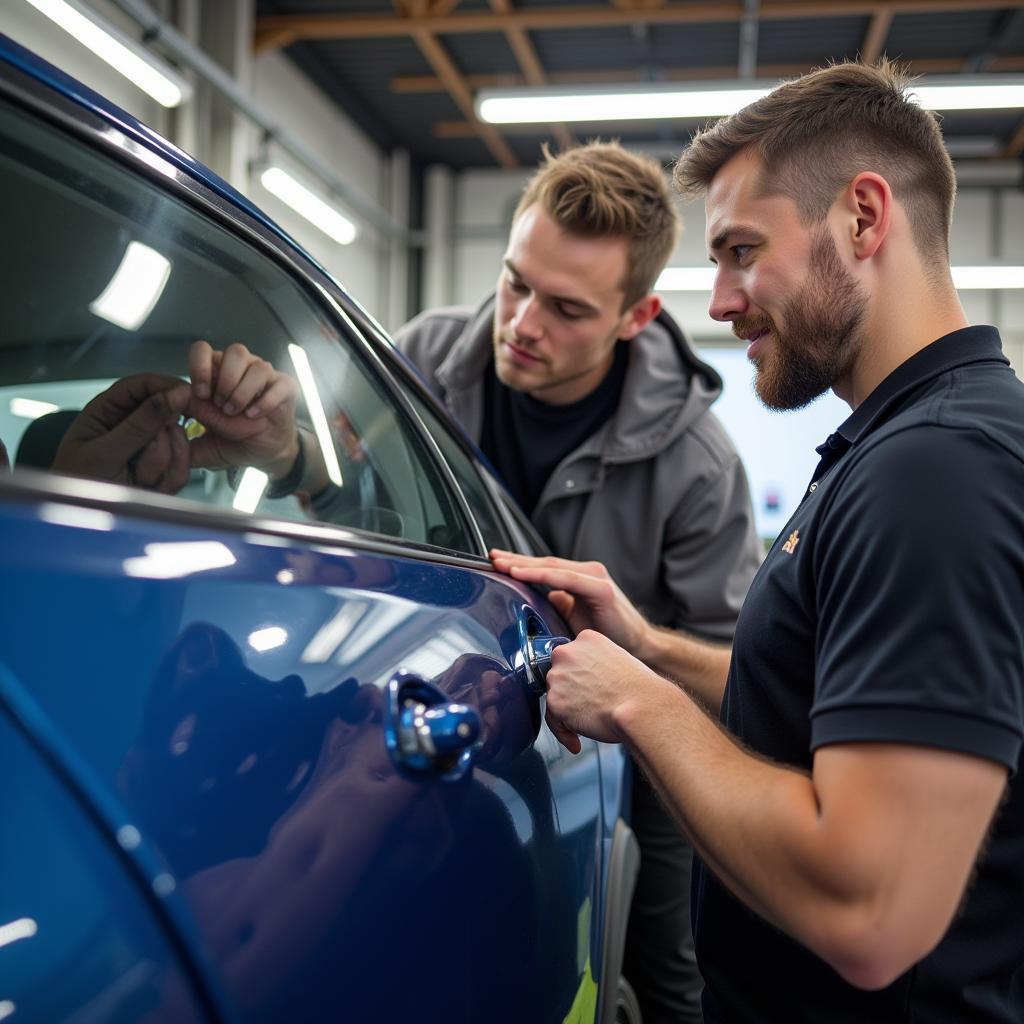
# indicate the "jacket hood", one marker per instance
pixel 667 386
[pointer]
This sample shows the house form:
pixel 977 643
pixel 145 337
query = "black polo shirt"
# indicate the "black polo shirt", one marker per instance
pixel 891 608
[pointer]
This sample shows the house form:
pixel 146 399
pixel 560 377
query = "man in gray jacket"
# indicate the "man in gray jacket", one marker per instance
pixel 593 407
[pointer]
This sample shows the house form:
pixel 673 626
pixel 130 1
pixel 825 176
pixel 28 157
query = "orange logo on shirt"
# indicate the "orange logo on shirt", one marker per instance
pixel 790 546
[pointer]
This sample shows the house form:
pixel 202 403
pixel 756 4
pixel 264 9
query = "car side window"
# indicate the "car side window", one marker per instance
pixel 473 487
pixel 115 281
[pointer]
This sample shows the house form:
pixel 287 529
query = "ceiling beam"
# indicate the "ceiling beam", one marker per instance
pixel 747 66
pixel 269 38
pixel 874 39
pixel 364 26
pixel 531 66
pixel 1015 146
pixel 431 83
pixel 445 69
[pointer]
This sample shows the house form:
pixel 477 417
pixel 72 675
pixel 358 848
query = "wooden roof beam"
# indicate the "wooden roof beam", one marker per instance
pixel 1015 146
pixel 445 69
pixel 533 72
pixel 364 26
pixel 431 83
pixel 874 39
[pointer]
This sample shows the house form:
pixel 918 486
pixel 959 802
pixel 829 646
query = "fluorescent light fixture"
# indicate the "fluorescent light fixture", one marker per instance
pixel 544 104
pixel 135 288
pixel 23 928
pixel 268 638
pixel 970 92
pixel 7 1008
pixel 118 49
pixel 31 408
pixel 685 279
pixel 77 518
pixel 250 490
pixel 978 278
pixel 169 561
pixel 304 372
pixel 982 278
pixel 305 203
pixel 658 102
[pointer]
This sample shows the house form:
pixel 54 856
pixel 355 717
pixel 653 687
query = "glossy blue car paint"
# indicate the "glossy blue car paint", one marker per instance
pixel 217 737
pixel 314 870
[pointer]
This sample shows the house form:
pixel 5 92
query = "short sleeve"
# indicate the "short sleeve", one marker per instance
pixel 920 587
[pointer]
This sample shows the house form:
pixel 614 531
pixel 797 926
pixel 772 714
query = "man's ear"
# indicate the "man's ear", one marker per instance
pixel 638 316
pixel 867 205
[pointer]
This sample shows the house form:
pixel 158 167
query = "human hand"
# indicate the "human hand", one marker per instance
pixel 247 408
pixel 583 593
pixel 589 680
pixel 129 434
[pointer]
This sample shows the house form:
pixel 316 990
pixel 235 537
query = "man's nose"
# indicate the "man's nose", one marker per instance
pixel 527 320
pixel 728 300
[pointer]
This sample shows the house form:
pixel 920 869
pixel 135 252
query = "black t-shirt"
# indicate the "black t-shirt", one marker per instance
pixel 891 609
pixel 526 439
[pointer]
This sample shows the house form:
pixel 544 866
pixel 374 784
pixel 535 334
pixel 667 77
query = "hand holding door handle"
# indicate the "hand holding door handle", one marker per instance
pixel 538 657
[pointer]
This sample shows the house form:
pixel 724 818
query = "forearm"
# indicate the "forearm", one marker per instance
pixel 765 833
pixel 701 667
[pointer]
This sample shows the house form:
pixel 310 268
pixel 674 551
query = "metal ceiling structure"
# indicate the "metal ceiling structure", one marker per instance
pixel 407 70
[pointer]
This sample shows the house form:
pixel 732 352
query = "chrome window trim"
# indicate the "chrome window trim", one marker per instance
pixel 64 113
pixel 27 486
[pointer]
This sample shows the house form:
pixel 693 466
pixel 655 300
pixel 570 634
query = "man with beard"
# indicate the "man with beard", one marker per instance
pixel 861 856
pixel 593 407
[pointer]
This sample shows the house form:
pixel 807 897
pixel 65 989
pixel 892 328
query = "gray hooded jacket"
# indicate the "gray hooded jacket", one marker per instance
pixel 658 493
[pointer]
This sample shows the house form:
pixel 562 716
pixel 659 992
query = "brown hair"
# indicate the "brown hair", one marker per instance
pixel 816 133
pixel 602 191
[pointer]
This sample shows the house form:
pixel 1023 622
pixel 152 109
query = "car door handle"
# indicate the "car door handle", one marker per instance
pixel 536 644
pixel 538 656
pixel 426 733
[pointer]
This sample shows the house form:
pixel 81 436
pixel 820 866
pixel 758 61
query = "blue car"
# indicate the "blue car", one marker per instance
pixel 265 756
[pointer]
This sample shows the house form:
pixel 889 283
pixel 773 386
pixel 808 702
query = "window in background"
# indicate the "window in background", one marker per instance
pixel 777 448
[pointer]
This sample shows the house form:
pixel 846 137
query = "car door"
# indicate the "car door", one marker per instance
pixel 318 718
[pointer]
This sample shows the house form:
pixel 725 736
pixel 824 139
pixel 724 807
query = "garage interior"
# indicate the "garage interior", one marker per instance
pixel 372 106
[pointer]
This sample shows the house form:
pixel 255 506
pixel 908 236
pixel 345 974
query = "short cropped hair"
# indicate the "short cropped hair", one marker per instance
pixel 815 133
pixel 601 190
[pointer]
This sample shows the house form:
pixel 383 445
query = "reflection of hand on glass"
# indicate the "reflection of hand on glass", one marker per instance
pixel 129 434
pixel 247 408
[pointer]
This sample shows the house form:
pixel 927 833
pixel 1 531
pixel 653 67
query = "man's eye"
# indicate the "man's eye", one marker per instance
pixel 569 313
pixel 516 285
pixel 740 251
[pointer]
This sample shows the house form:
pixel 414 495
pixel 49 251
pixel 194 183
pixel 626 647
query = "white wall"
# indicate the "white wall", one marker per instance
pixel 778 450
pixel 988 226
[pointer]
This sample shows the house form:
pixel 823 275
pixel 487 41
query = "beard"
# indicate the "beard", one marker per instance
pixel 823 335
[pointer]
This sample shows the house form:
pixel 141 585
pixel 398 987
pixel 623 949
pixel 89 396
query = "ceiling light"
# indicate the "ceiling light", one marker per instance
pixel 23 928
pixel 542 104
pixel 305 203
pixel 175 559
pixel 659 102
pixel 250 490
pixel 976 278
pixel 119 50
pixel 268 638
pixel 307 382
pixel 982 278
pixel 135 288
pixel 31 408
